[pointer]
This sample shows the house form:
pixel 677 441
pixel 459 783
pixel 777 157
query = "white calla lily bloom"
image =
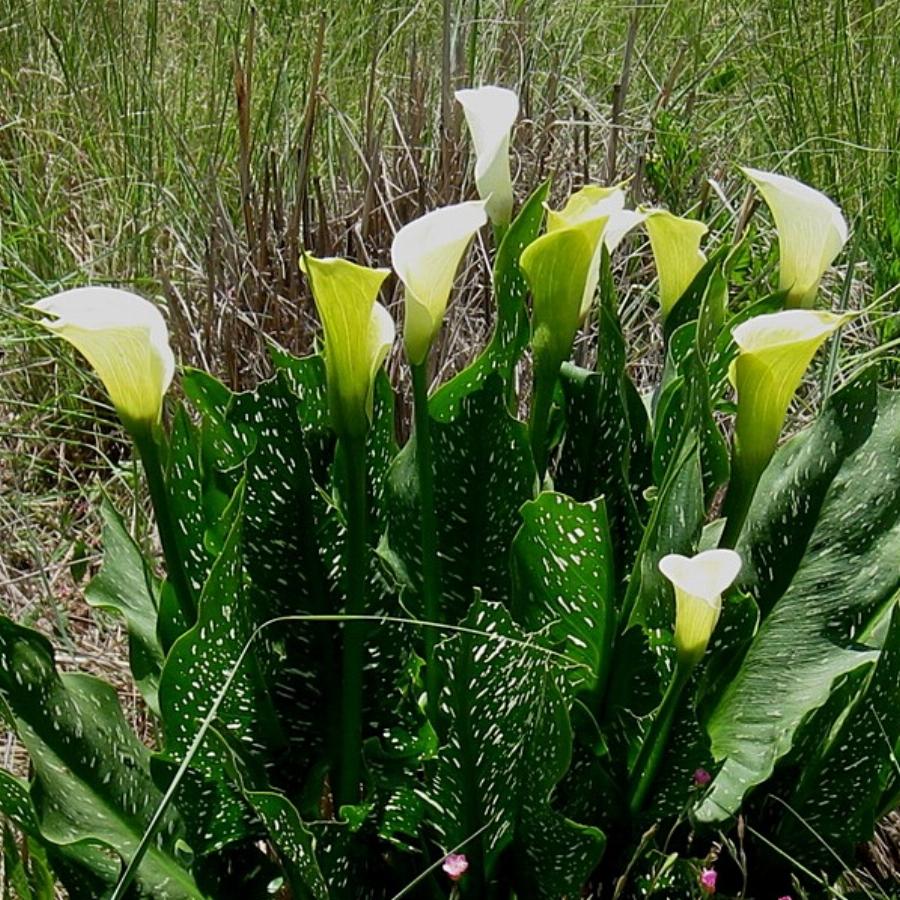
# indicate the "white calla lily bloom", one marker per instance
pixel 491 113
pixel 426 254
pixel 812 231
pixel 125 339
pixel 699 582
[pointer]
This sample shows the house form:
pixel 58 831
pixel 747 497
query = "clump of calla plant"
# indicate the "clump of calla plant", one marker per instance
pixel 576 709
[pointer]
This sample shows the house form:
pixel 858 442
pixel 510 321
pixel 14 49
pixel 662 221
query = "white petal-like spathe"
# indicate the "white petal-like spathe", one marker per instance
pixel 812 231
pixel 124 338
pixel 619 224
pixel 699 582
pixel 782 329
pixel 705 575
pixel 491 113
pixel 425 255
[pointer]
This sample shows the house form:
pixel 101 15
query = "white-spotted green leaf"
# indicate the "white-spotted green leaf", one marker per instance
pixel 839 793
pixel 483 474
pixel 565 580
pixel 491 695
pixel 554 856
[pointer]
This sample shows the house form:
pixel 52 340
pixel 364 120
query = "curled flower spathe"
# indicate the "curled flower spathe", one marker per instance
pixel 675 242
pixel 594 204
pixel 125 339
pixel 560 270
pixel 774 352
pixel 425 255
pixel 491 112
pixel 812 231
pixel 699 582
pixel 358 331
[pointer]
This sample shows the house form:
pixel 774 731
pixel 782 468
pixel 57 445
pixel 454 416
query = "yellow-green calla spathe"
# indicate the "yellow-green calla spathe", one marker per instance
pixel 774 351
pixel 425 255
pixel 595 204
pixel 491 112
pixel 125 339
pixel 558 267
pixel 358 332
pixel 675 242
pixel 812 231
pixel 699 582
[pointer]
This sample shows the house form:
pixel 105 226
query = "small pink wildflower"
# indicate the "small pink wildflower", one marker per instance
pixel 702 778
pixel 455 865
pixel 708 880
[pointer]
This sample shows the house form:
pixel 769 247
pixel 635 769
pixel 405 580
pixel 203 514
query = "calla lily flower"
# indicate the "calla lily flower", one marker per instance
pixel 590 204
pixel 774 352
pixel 426 254
pixel 125 339
pixel 561 272
pixel 699 582
pixel 811 233
pixel 675 242
pixel 491 113
pixel 359 332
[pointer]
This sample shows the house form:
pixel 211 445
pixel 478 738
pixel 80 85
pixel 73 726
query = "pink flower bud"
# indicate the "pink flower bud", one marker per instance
pixel 455 865
pixel 708 880
pixel 702 778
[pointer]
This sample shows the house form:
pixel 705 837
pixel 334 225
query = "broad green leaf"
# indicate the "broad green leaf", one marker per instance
pixel 813 610
pixel 553 855
pixel 126 585
pixel 195 670
pixel 511 331
pixel 566 584
pixel 483 474
pixel 92 780
pixel 836 804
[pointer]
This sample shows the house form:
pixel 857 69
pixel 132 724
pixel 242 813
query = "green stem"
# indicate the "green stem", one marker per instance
pixel 652 749
pixel 431 573
pixel 742 485
pixel 542 401
pixel 350 768
pixel 148 449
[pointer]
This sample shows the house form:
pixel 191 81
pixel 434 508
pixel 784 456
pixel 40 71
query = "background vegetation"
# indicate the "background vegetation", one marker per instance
pixel 188 149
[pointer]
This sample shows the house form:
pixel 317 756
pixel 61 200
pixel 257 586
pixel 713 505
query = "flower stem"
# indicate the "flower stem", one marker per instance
pixel 148 450
pixel 741 490
pixel 350 768
pixel 652 749
pixel 542 401
pixel 431 573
